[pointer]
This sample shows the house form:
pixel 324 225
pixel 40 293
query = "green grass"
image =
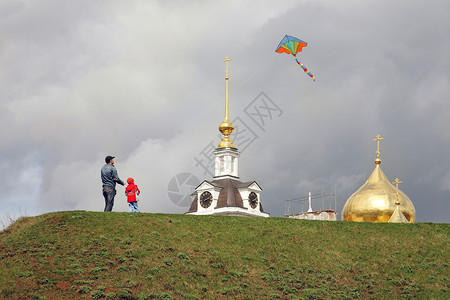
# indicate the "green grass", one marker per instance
pixel 96 255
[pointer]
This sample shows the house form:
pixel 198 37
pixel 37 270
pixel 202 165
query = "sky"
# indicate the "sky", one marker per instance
pixel 144 81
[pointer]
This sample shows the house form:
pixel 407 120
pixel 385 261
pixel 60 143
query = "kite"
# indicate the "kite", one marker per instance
pixel 292 45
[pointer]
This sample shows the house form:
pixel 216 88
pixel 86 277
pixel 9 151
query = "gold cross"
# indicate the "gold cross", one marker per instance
pixel 227 59
pixel 378 139
pixel 396 182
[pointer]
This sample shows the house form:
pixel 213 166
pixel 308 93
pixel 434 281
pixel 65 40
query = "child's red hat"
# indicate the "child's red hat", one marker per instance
pixel 130 180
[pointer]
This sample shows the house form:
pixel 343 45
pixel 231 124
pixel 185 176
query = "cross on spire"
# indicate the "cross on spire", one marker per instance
pixel 227 59
pixel 396 182
pixel 378 139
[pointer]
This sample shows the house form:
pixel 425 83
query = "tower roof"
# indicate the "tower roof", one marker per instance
pixel 229 195
pixel 398 216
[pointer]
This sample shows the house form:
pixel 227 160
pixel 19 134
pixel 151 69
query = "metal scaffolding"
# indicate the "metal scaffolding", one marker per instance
pixel 296 203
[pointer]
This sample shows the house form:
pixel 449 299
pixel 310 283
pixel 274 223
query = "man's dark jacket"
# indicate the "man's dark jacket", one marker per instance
pixel 109 176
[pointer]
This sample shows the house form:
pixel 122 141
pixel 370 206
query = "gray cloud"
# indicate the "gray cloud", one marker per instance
pixel 145 82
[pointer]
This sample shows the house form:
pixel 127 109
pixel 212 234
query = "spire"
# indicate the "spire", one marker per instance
pixel 378 139
pixel 397 215
pixel 309 202
pixel 396 182
pixel 226 128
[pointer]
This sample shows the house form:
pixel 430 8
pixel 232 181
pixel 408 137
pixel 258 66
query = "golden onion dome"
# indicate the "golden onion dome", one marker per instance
pixel 226 128
pixel 375 200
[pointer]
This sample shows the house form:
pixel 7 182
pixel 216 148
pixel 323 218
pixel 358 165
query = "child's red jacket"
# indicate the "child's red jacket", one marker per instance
pixel 131 191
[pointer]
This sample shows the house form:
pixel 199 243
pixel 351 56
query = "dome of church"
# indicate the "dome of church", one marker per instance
pixel 375 200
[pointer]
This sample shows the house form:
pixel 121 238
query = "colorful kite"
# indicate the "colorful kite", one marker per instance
pixel 292 45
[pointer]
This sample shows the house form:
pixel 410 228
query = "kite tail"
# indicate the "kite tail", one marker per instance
pixel 304 68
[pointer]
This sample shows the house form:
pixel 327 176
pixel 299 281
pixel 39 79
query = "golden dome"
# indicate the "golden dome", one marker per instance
pixel 375 201
pixel 226 128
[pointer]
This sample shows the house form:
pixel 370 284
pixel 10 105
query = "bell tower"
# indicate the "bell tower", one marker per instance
pixel 226 194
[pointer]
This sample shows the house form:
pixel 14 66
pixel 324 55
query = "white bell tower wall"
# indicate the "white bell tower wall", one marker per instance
pixel 226 163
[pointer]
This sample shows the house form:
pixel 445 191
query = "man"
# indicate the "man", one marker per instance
pixel 109 180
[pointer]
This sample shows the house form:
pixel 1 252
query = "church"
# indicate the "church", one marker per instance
pixel 378 200
pixel 226 194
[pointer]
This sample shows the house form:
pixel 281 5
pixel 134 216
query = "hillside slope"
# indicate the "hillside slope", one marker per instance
pixel 81 254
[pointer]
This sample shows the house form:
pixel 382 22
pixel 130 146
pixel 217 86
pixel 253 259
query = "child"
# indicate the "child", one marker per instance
pixel 131 191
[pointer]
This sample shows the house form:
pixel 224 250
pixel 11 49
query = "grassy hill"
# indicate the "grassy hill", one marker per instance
pixel 81 254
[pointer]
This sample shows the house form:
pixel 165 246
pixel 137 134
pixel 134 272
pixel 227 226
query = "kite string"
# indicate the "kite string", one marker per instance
pixel 304 68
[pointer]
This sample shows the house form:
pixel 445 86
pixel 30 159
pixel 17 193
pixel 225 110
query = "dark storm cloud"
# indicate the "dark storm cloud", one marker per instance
pixel 145 82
